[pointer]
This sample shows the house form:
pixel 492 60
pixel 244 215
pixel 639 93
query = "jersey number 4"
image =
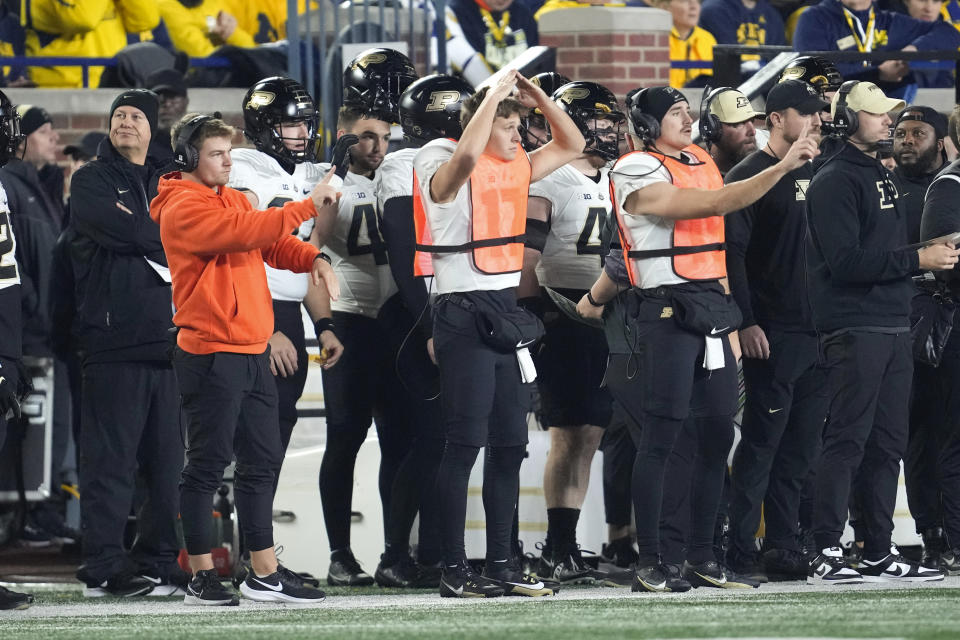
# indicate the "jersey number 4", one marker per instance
pixel 595 237
pixel 364 224
pixel 8 265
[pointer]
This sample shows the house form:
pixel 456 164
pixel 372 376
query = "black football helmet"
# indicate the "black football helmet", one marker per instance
pixel 430 108
pixel 587 102
pixel 10 136
pixel 549 81
pixel 815 71
pixel 374 81
pixel 279 100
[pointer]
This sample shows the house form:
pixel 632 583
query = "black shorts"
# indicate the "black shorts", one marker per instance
pixel 571 361
pixel 482 397
pixel 665 377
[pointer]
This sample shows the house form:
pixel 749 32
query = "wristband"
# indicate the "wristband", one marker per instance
pixel 593 302
pixel 323 256
pixel 321 325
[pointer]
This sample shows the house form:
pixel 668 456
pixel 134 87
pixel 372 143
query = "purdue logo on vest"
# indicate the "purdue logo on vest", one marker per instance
pixel 498 218
pixel 697 249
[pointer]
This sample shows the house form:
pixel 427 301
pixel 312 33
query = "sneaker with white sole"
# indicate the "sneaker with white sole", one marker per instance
pixel 830 567
pixel 713 574
pixel 172 583
pixel 205 589
pixel 461 581
pixel 895 568
pixel 283 585
pixel 121 585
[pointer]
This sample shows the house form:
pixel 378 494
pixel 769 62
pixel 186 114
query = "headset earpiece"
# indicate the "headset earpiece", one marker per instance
pixel 845 120
pixel 185 157
pixel 710 126
pixel 645 126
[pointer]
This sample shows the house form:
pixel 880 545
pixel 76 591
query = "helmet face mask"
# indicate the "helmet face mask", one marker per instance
pixel 274 102
pixel 10 134
pixel 375 80
pixel 588 104
pixel 430 108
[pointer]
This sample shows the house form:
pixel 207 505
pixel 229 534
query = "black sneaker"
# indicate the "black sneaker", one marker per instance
pixel 895 568
pixel 853 554
pixel 950 562
pixel 830 567
pixel 460 581
pixel 713 574
pixel 620 552
pixel 653 578
pixel 402 574
pixel 616 578
pixel 345 571
pixel 12 600
pixel 172 583
pixel 675 580
pixel 746 565
pixel 514 582
pixel 784 564
pixel 34 537
pixel 568 568
pixel 934 544
pixel 205 589
pixel 122 585
pixel 282 585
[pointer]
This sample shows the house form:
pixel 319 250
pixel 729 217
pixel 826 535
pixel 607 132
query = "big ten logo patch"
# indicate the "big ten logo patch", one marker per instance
pixel 888 193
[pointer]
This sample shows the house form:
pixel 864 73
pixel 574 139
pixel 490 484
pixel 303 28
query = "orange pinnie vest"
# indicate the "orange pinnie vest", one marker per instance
pixel 498 217
pixel 697 248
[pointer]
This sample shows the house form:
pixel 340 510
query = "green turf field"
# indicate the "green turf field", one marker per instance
pixel 793 611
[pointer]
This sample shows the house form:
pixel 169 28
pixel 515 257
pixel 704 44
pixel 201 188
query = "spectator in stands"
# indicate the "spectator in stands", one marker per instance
pixel 484 35
pixel 265 20
pixel 950 12
pixel 745 22
pixel 171 88
pixel 859 25
pixel 930 11
pixel 688 43
pixel 197 28
pixel 88 29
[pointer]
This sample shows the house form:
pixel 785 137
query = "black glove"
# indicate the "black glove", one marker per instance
pixel 341 154
pixel 9 398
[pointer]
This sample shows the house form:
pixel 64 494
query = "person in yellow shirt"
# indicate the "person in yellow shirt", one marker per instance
pixel 551 5
pixel 198 29
pixel 265 20
pixel 688 42
pixel 92 28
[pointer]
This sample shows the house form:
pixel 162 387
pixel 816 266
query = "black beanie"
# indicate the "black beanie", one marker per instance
pixel 143 99
pixel 656 101
pixel 32 118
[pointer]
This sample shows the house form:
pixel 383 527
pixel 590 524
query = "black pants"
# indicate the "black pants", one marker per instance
pixel 361 388
pixel 932 464
pixel 131 425
pixel 230 404
pixel 780 438
pixel 288 320
pixel 484 404
pixel 619 453
pixel 659 388
pixel 869 375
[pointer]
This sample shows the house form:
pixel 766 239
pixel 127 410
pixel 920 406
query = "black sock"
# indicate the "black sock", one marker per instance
pixel 562 529
pixel 453 477
pixel 501 484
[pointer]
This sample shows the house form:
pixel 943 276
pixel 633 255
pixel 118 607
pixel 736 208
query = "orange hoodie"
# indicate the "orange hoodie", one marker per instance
pixel 216 244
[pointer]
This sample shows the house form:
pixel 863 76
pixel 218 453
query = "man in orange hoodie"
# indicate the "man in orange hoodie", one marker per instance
pixel 216 244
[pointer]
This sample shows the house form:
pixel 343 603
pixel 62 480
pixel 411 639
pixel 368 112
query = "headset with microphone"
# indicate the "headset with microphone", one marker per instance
pixel 645 126
pixel 711 129
pixel 185 156
pixel 845 121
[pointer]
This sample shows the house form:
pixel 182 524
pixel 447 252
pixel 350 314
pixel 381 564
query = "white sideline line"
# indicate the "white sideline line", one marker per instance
pixel 174 606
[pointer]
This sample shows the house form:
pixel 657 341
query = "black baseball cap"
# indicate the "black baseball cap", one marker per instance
pixel 167 81
pixel 795 94
pixel 925 114
pixel 86 146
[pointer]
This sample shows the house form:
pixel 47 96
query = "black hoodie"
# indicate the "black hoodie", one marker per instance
pixel 859 270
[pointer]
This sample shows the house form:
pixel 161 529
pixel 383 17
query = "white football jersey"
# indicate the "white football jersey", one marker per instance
pixel 646 232
pixel 394 178
pixel 451 224
pixel 356 248
pixel 9 274
pixel 571 258
pixel 263 176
